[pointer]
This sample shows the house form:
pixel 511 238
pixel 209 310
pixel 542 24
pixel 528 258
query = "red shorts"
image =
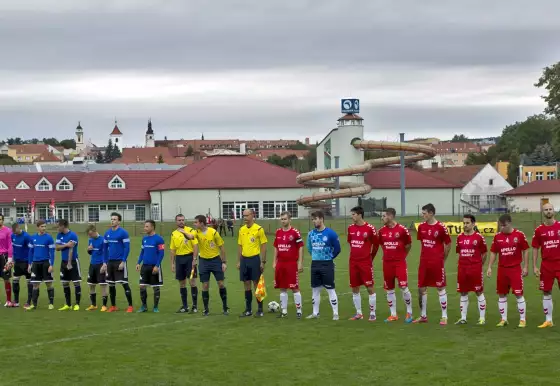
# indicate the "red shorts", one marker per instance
pixel 510 278
pixel 549 272
pixel 361 273
pixel 286 275
pixel 470 278
pixel 394 270
pixel 431 274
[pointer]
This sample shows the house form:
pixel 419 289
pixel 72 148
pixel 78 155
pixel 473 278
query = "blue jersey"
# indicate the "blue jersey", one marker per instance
pixel 20 243
pixel 98 251
pixel 65 238
pixel 117 244
pixel 41 248
pixel 323 245
pixel 152 250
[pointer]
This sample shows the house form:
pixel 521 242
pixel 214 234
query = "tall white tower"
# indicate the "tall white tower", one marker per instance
pixel 116 137
pixel 80 146
pixel 150 142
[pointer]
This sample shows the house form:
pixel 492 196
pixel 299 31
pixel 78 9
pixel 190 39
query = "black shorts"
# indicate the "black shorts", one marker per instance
pixel 5 274
pixel 40 272
pixel 208 266
pixel 95 276
pixel 113 273
pixel 20 269
pixel 70 275
pixel 147 276
pixel 250 268
pixel 322 274
pixel 183 267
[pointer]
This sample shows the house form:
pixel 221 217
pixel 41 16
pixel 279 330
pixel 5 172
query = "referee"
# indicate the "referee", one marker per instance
pixel 251 258
pixel 183 254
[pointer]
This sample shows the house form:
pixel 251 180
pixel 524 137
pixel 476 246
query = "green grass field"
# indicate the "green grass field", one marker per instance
pixel 70 348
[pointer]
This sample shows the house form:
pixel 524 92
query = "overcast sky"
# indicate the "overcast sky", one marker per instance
pixel 271 69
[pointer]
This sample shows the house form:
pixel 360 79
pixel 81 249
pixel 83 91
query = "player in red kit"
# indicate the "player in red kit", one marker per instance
pixel 471 248
pixel 288 263
pixel 436 244
pixel 547 239
pixel 395 242
pixel 362 238
pixel 511 246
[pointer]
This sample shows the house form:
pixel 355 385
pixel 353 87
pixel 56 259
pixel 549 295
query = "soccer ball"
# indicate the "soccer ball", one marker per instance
pixel 273 306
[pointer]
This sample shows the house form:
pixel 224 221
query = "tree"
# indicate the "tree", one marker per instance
pixel 160 159
pixel 543 155
pixel 550 80
pixel 7 160
pixel 51 141
pixel 189 152
pixel 116 152
pixel 299 146
pixel 99 158
pixel 109 152
pixel 68 143
pixel 15 141
pixel 513 168
pixel 485 157
pixel 459 138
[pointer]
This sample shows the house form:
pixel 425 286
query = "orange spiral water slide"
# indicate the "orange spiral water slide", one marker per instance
pixel 352 189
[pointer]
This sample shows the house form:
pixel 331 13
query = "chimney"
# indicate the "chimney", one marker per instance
pixel 307 141
pixel 242 148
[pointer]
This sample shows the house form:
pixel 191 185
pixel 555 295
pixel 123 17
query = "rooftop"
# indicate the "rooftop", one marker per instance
pixel 536 187
pixel 460 175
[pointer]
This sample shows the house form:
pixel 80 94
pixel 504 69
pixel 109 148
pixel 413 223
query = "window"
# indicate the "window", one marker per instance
pixel 121 207
pixel 5 211
pixel 492 201
pixel 549 176
pixel 79 214
pixel 131 206
pixel 475 200
pixel 116 183
pixel 43 185
pixel 64 184
pixel 228 209
pixel 235 209
pixel 155 212
pixel 27 158
pixel 3 186
pixel 491 181
pixel 43 212
pixel 102 207
pixel 140 213
pixel 111 207
pixel 293 209
pixel 327 155
pixel 93 213
pixel 21 211
pixel 22 186
pixel 539 176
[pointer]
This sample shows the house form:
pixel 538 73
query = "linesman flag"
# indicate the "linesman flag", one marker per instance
pixel 260 292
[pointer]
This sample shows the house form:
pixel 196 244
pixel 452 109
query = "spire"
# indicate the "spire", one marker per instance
pixel 150 131
pixel 202 136
pixel 79 128
pixel 116 130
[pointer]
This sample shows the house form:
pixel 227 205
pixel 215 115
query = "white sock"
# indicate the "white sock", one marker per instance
pixel 547 307
pixel 443 302
pixel 424 305
pixel 392 302
pixel 372 303
pixel 297 301
pixel 357 302
pixel 482 306
pixel 407 297
pixel 521 307
pixel 464 306
pixel 502 305
pixel 334 300
pixel 316 299
pixel 284 302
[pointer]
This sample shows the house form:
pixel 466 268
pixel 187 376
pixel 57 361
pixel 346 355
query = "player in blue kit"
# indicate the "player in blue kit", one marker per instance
pixel 67 244
pixel 117 248
pixel 97 268
pixel 151 256
pixel 41 263
pixel 323 246
pixel 20 244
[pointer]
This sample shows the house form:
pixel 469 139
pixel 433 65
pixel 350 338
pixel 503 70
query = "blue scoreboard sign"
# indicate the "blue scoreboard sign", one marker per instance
pixel 350 106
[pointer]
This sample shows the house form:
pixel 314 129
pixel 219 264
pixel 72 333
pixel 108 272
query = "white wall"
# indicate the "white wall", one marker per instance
pixel 446 201
pixel 532 203
pixel 480 184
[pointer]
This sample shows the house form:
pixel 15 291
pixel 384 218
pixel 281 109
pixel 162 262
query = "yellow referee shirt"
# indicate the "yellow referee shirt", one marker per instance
pixel 180 244
pixel 251 239
pixel 209 243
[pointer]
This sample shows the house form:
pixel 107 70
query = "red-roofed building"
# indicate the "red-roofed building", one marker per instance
pixel 530 197
pixel 132 155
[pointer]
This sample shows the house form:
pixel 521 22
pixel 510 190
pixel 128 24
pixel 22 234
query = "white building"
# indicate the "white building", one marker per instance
pixel 150 141
pixel 80 145
pixel 117 137
pixel 530 197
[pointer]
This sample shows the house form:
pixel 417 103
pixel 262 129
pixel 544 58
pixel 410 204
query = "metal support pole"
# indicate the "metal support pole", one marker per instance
pixel 403 199
pixel 337 186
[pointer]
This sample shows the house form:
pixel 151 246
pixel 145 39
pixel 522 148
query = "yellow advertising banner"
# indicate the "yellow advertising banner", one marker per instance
pixel 455 228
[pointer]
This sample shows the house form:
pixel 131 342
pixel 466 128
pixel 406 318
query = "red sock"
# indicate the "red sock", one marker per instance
pixel 8 287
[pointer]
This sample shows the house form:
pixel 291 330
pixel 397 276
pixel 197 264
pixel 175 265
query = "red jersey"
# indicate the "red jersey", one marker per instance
pixel 510 247
pixel 433 238
pixel 287 243
pixel 362 238
pixel 547 237
pixel 471 248
pixel 393 242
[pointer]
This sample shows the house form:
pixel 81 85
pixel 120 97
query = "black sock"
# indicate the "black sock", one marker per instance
pixel 194 294
pixel 16 291
pixel 183 292
pixel 93 298
pixel 205 299
pixel 128 293
pixel 105 301
pixel 29 292
pixel 143 295
pixel 223 295
pixel 248 300
pixel 113 294
pixel 50 292
pixel 260 306
pixel 35 296
pixel 67 295
pixel 156 297
pixel 78 293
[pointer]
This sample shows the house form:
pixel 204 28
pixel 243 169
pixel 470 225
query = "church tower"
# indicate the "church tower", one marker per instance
pixel 150 142
pixel 116 137
pixel 80 138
